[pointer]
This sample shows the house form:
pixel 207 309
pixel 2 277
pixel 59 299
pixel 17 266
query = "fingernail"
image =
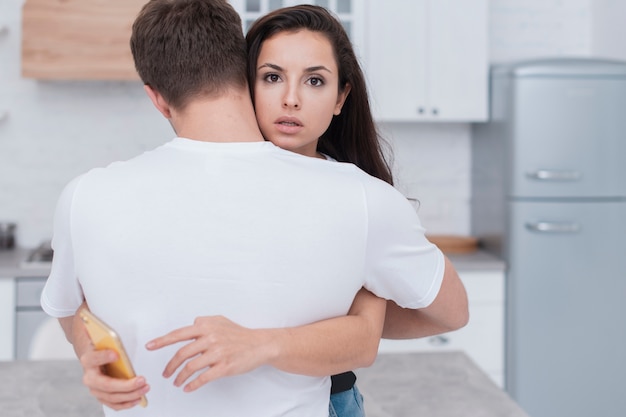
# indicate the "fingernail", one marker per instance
pixel 140 381
pixel 150 345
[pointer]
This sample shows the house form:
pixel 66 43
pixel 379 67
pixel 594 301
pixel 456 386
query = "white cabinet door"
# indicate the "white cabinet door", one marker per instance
pixel 457 59
pixel 351 13
pixel 427 60
pixel 7 318
pixel 396 52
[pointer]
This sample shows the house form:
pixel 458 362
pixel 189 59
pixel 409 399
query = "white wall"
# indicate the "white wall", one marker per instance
pixel 56 130
pixel 608 37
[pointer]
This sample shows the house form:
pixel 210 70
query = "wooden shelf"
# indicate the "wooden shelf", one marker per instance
pixel 78 39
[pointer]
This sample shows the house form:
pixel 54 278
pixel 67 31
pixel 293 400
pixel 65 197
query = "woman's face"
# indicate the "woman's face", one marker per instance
pixel 296 90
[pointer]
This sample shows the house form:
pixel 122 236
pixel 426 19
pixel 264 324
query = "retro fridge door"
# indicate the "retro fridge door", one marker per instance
pixel 566 303
pixel 568 137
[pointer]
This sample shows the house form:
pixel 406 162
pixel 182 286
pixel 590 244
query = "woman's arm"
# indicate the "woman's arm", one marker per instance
pixel 219 347
pixel 449 311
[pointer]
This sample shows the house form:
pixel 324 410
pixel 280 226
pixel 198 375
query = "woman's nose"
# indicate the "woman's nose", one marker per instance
pixel 291 99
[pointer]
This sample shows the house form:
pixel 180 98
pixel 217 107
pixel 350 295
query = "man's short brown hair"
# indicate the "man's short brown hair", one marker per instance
pixel 189 48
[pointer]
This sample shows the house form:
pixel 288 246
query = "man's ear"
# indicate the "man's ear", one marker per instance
pixel 158 101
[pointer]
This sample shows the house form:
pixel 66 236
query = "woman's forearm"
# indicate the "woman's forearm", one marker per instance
pixel 331 346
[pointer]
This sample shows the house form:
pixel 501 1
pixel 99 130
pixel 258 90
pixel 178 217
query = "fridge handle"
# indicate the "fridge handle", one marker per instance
pixel 553 227
pixel 554 175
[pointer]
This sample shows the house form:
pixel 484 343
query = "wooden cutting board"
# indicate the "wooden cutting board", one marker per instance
pixel 452 244
pixel 78 39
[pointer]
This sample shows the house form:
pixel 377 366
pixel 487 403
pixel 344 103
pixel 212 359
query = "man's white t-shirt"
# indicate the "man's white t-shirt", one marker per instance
pixel 265 237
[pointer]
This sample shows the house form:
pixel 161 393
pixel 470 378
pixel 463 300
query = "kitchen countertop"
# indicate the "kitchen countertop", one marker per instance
pixel 11 263
pixel 479 260
pixel 433 384
pixel 444 384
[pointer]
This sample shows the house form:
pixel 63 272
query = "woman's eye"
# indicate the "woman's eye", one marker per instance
pixel 272 78
pixel 316 81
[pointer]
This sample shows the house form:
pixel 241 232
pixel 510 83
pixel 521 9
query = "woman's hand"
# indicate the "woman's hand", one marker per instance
pixel 216 345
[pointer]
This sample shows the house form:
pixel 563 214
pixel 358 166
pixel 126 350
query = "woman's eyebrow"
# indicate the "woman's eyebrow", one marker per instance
pixel 272 66
pixel 275 67
pixel 317 68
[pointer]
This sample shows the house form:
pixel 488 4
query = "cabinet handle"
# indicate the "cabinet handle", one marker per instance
pixel 553 227
pixel 554 175
pixel 439 340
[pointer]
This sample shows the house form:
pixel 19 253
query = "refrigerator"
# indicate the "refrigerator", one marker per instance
pixel 549 197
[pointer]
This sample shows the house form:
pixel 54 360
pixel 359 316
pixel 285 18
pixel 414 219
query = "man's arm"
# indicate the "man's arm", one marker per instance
pixel 449 311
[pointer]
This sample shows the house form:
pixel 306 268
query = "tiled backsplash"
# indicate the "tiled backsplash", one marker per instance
pixel 56 130
pixel 432 165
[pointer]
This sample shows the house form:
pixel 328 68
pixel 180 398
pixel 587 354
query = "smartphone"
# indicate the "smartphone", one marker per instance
pixel 104 337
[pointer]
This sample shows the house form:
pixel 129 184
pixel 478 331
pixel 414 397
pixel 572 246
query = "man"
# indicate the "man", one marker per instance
pixel 246 257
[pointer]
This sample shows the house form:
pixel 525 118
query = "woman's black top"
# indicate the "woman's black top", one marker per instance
pixel 342 382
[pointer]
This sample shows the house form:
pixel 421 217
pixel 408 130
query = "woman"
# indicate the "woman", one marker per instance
pixel 310 97
pixel 351 135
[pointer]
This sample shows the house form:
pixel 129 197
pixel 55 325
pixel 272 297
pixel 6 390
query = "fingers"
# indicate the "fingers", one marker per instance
pixel 183 354
pixel 97 358
pixel 115 393
pixel 120 394
pixel 178 335
pixel 211 374
pixel 202 360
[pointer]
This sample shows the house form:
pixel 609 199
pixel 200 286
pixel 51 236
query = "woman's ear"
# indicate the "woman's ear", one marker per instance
pixel 158 101
pixel 341 99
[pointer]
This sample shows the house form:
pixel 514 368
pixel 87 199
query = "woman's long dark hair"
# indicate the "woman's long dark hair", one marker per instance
pixel 352 135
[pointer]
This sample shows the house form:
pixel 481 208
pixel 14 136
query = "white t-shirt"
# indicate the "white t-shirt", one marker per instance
pixel 263 236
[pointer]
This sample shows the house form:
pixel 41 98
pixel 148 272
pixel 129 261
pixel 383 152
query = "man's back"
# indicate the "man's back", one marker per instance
pixel 259 235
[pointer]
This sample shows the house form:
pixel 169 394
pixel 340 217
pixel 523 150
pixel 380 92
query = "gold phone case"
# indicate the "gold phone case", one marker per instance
pixel 104 337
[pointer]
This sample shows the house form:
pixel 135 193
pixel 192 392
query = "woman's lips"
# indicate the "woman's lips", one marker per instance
pixel 288 125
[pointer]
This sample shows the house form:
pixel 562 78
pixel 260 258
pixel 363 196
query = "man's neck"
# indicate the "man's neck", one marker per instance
pixel 229 118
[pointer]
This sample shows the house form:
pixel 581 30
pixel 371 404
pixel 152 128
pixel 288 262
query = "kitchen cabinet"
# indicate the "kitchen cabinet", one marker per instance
pixel 89 39
pixel 7 318
pixel 78 39
pixel 351 13
pixel 483 337
pixel 426 60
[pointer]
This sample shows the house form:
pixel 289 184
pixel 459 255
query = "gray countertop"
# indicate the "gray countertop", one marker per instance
pixel 11 265
pixel 442 384
pixel 397 385
pixel 477 261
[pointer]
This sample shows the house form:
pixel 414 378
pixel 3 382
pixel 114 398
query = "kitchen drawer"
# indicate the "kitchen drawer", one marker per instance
pixel 28 291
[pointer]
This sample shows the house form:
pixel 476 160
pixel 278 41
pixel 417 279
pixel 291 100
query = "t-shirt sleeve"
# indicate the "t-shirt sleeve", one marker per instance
pixel 62 294
pixel 401 264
